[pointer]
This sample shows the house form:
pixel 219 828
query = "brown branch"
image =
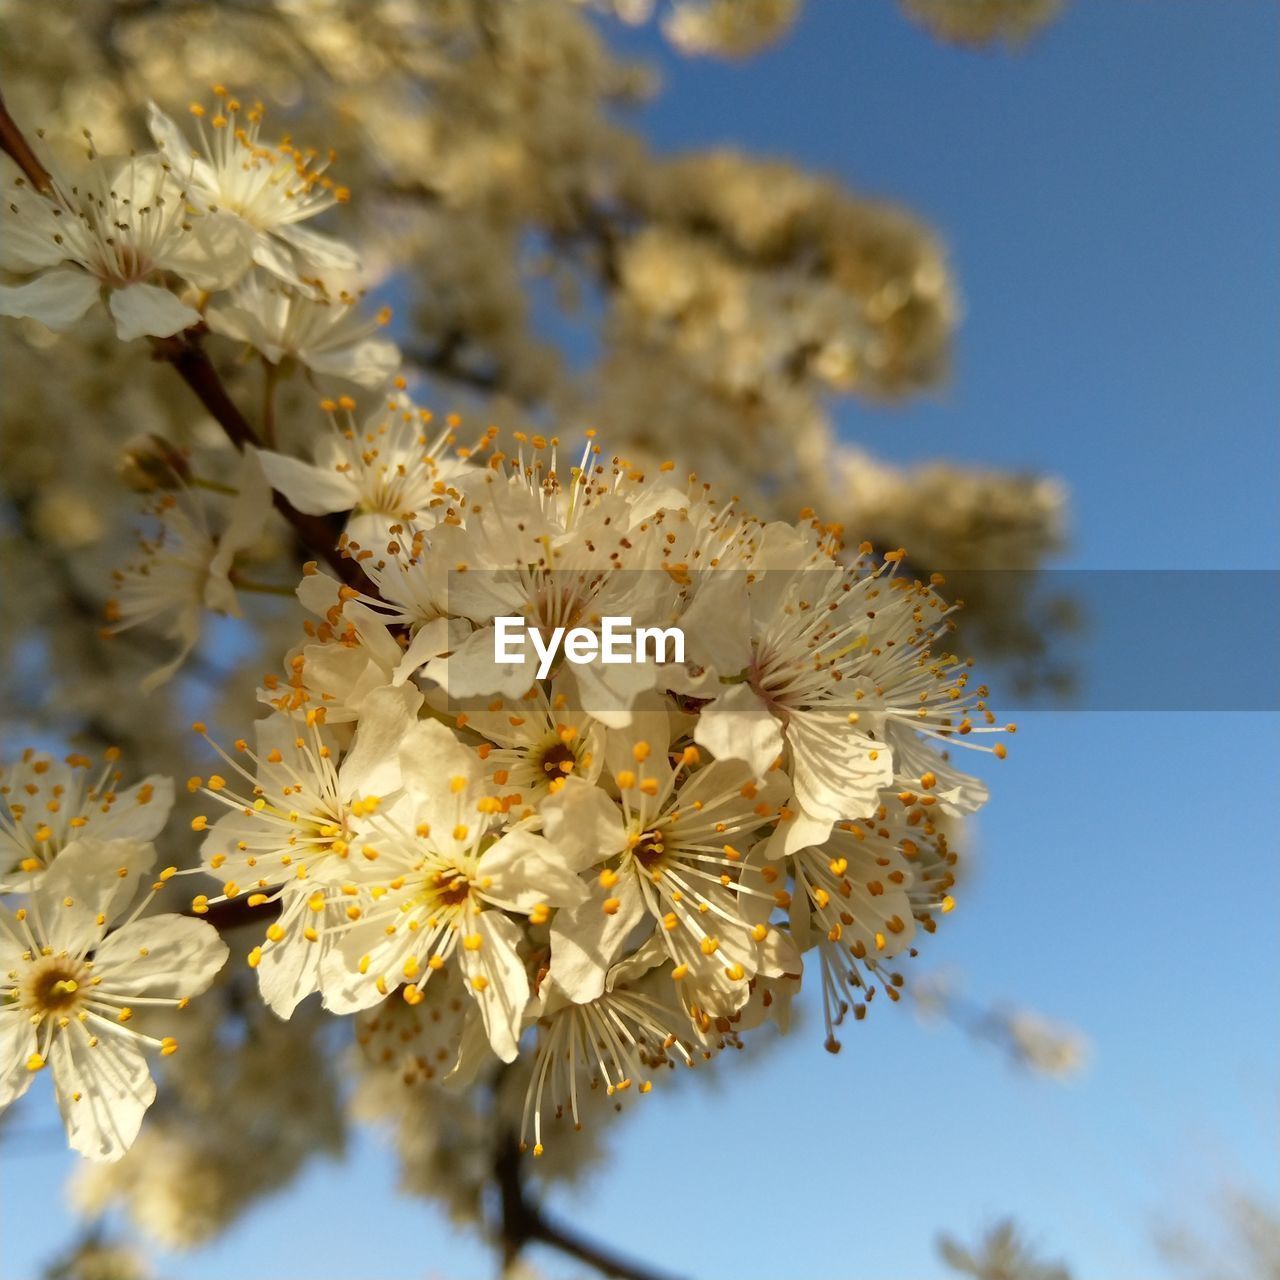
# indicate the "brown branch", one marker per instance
pixel 524 1223
pixel 14 143
pixel 184 352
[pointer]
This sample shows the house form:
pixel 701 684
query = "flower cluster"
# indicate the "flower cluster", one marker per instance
pixel 599 868
pixel 612 867
pixel 83 973
pixel 153 233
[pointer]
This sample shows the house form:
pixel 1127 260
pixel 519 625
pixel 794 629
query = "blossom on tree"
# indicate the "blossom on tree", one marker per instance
pixel 117 229
pixel 265 190
pixel 74 981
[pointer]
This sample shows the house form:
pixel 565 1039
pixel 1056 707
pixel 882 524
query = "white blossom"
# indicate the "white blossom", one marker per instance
pixel 118 230
pixel 327 335
pixel 72 984
pixel 48 803
pixel 266 189
pixel 186 568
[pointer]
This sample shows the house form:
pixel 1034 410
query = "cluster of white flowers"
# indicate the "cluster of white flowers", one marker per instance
pixel 153 233
pixel 608 868
pixel 634 859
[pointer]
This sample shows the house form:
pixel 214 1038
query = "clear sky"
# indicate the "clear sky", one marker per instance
pixel 1110 200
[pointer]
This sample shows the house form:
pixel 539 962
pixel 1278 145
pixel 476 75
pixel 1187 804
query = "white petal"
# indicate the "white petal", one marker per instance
pixel 429 757
pixel 317 592
pixel 368 364
pixel 524 870
pixel 103 1089
pixel 584 824
pixel 237 323
pixel 245 522
pixel 738 726
pixel 132 817
pixel 834 774
pixel 505 983
pixel 586 940
pixel 313 490
pixel 471 669
pixel 429 641
pixel 717 625
pixel 57 299
pixel 289 971
pixel 275 258
pixel 187 166
pixel 165 955
pixel 321 251
pixel 373 765
pixel 142 310
pixel 474 1052
pixel 90 883
pixel 17 1044
pixel 27 236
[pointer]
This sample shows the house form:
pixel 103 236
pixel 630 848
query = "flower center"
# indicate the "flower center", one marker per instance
pixel 450 888
pixel 650 852
pixel 558 760
pixel 56 985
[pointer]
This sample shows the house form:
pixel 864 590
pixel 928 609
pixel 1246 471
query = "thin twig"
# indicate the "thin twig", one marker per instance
pixel 524 1223
pixel 184 352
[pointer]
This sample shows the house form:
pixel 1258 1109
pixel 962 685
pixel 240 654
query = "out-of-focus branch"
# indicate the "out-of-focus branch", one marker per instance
pixel 524 1223
pixel 184 352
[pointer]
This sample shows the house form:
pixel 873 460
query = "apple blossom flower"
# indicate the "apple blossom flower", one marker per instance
pixel 295 824
pixel 71 983
pixel 267 190
pixel 327 336
pixel 667 851
pixel 446 870
pixel 619 1042
pixel 186 568
pixel 390 470
pixel 47 803
pixel 117 230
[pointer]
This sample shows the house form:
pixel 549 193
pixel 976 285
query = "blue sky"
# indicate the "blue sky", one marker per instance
pixel 1109 199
